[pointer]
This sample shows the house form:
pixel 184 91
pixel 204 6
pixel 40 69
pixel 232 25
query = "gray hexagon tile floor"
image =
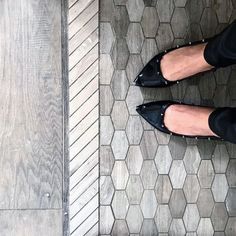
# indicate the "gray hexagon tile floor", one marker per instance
pixel 151 183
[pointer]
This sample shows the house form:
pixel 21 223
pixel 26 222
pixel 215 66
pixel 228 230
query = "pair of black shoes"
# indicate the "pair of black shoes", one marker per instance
pixel 154 112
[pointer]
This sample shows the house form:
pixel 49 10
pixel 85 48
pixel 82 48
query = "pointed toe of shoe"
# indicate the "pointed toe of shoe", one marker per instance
pixel 150 112
pixel 138 81
pixel 153 113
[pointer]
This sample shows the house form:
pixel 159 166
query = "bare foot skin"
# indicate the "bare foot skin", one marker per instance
pixel 184 62
pixel 188 120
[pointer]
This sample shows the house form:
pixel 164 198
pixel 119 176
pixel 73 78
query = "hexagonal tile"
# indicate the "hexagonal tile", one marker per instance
pixel 163 218
pixel 223 10
pixel 231 227
pixel 120 175
pixel 177 203
pixel 134 130
pixel 119 145
pixel 106 10
pixel 219 217
pixel 177 147
pixel 148 228
pixel 205 202
pixel 148 145
pixel 206 174
pixel 149 50
pixel 134 189
pixel 192 95
pixel 106 100
pixel 119 114
pixel 120 21
pixel 194 32
pixel 163 189
pixel 191 188
pixel 150 22
pixel 165 9
pixel 222 75
pixel 205 227
pixel 223 92
pixel 219 187
pixel 180 3
pixel 134 98
pixel 106 38
pixel 164 37
pixel 107 219
pixel 230 202
pixel 206 148
pixel 134 219
pixel 107 130
pixel 120 204
pixel 120 54
pixel 148 204
pixel 179 22
pixel 135 38
pixel 231 173
pixel 162 138
pixel 163 160
pixel 207 86
pixel 106 160
pixel 177 228
pixel 177 174
pixel 195 9
pixel 220 159
pixel 106 190
pixel 138 5
pixel 134 66
pixel 191 217
pixel 106 69
pixel 134 160
pixel 119 84
pixel 208 22
pixel 148 174
pixel 192 159
pixel 232 85
pixel 120 228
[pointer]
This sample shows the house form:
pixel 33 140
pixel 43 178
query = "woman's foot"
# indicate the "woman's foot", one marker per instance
pixel 188 120
pixel 184 62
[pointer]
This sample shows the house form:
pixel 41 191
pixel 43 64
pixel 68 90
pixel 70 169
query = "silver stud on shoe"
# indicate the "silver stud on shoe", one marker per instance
pixel 158 72
pixel 162 126
pixel 144 107
pixel 183 136
pixel 157 61
pixel 166 82
pixel 209 139
pixel 162 114
pixel 203 40
pixel 177 82
pixel 177 46
pixel 140 75
pixel 165 51
pixel 171 133
pixel 190 43
pixel 196 138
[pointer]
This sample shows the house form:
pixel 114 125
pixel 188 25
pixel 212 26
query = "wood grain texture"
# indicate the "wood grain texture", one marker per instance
pixel 31 222
pixel 31 131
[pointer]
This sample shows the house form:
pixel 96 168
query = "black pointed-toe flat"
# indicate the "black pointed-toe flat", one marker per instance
pixel 154 113
pixel 151 75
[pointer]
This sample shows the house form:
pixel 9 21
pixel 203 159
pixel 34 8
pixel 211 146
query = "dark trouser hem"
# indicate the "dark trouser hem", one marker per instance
pixel 222 122
pixel 220 51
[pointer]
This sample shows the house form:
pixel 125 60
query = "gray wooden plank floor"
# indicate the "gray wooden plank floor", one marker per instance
pixel 31 118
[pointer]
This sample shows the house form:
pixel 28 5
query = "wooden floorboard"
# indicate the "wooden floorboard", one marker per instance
pixel 31 105
pixel 31 222
pixel 84 116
